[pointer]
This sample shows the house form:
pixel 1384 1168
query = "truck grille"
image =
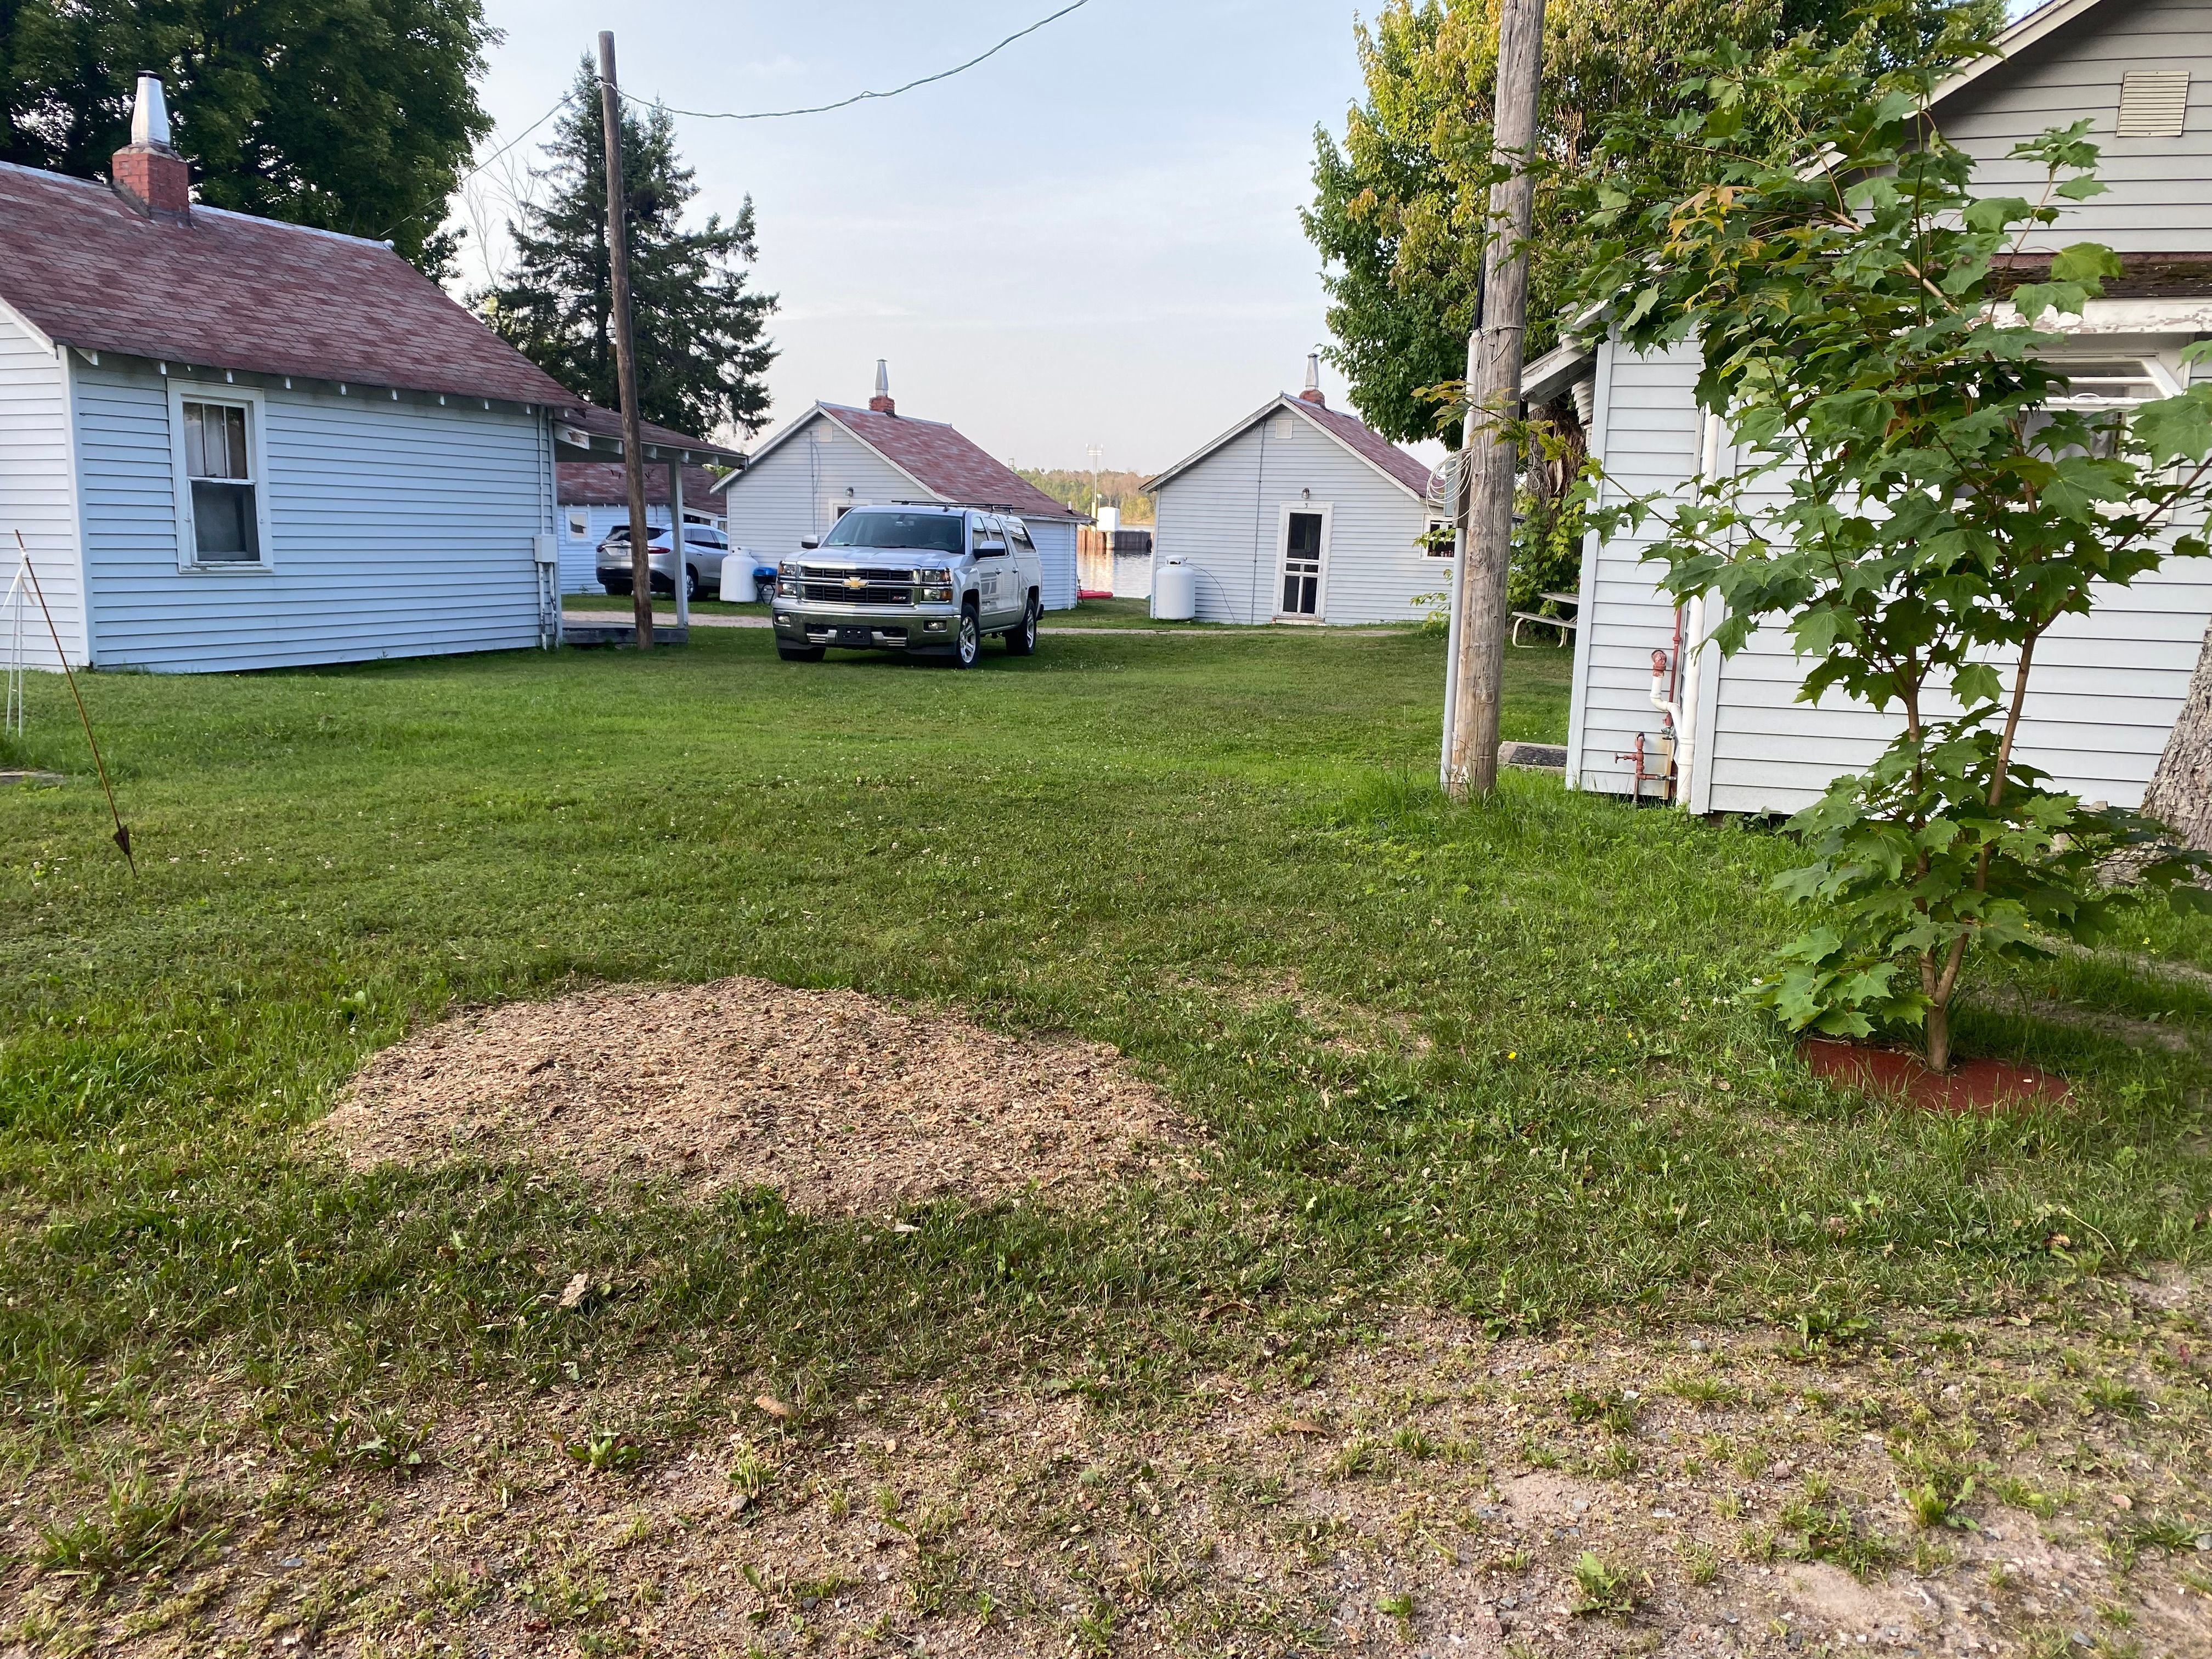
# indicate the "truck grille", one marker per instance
pixel 860 586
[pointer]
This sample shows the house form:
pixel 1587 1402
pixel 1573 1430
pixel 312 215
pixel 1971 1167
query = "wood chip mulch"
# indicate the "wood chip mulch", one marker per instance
pixel 842 1102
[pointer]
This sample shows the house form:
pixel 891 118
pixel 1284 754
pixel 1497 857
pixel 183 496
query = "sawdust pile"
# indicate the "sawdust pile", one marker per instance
pixel 840 1102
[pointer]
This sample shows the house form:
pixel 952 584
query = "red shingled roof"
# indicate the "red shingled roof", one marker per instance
pixel 231 291
pixel 940 460
pixel 600 484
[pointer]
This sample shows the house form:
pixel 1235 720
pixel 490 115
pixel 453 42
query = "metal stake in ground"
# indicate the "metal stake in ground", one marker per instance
pixel 641 543
pixel 1494 391
pixel 122 830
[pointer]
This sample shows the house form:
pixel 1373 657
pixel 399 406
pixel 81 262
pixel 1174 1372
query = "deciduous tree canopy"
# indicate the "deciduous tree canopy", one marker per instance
pixel 1398 205
pixel 351 115
pixel 702 350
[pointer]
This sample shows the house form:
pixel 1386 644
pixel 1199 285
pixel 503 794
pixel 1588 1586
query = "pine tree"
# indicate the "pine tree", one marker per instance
pixel 703 349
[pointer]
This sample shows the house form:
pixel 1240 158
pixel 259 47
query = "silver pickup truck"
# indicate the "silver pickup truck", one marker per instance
pixel 927 579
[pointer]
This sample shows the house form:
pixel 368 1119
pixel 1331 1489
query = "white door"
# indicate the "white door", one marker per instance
pixel 1305 543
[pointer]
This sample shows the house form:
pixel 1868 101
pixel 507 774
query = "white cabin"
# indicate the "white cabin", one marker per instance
pixel 1299 513
pixel 835 458
pixel 2107 687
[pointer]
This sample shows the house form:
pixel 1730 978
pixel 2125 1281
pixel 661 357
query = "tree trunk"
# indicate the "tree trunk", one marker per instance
pixel 2180 795
pixel 1938 1032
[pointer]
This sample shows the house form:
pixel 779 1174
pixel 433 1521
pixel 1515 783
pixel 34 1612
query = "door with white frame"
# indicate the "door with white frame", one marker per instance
pixel 1302 569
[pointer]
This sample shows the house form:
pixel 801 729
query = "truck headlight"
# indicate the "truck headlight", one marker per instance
pixel 789 567
pixel 933 586
pixel 786 588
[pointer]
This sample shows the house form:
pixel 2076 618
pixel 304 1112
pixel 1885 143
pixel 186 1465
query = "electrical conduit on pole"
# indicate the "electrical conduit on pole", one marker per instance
pixel 1490 454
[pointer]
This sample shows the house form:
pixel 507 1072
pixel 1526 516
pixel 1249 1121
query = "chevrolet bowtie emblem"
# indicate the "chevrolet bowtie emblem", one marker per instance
pixel 856 581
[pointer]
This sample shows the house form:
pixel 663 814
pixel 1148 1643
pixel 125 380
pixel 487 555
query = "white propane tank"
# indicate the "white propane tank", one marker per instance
pixel 1175 591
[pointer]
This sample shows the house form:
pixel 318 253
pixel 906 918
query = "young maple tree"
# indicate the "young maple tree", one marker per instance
pixel 1918 503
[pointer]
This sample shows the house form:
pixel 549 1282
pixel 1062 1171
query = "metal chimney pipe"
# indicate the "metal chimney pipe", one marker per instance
pixel 149 116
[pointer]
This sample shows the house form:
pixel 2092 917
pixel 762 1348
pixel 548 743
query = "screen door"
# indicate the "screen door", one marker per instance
pixel 1301 564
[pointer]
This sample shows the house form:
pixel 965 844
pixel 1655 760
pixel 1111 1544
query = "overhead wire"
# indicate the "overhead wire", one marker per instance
pixel 567 98
pixel 863 97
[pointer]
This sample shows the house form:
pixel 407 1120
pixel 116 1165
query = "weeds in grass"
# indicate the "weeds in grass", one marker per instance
pixel 1614 1409
pixel 2113 1397
pixel 386 1442
pixel 1818 1526
pixel 1945 1482
pixel 1704 1393
pixel 750 1473
pixel 1398 1606
pixel 1701 1563
pixel 136 1530
pixel 2165 1533
pixel 2012 1490
pixel 1601 1588
pixel 605 1451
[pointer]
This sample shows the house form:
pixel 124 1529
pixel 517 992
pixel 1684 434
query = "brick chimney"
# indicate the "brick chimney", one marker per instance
pixel 1312 394
pixel 881 402
pixel 147 174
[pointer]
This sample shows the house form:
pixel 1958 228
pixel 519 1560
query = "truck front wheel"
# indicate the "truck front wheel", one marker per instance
pixel 968 647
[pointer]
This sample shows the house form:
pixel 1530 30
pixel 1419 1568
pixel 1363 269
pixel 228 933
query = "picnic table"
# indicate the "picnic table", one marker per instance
pixel 1564 624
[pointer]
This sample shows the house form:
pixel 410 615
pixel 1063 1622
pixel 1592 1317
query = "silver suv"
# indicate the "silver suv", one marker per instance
pixel 932 580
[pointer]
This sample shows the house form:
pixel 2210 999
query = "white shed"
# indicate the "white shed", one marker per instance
pixel 2109 685
pixel 835 458
pixel 1300 513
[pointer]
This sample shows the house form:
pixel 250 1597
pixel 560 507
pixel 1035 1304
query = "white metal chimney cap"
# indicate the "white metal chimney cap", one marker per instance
pixel 149 117
pixel 882 378
pixel 1313 371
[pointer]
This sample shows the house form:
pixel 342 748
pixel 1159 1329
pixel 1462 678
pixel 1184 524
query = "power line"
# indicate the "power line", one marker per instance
pixel 567 98
pixel 863 97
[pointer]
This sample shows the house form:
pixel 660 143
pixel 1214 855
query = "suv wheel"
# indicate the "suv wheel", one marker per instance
pixel 968 647
pixel 692 584
pixel 1021 638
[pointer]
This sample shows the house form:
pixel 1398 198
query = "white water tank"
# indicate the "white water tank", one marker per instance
pixel 1175 591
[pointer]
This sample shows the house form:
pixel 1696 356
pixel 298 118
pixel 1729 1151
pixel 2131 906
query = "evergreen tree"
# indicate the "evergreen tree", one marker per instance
pixel 703 349
pixel 349 115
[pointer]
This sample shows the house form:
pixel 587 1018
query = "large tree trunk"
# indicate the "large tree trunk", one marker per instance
pixel 2180 795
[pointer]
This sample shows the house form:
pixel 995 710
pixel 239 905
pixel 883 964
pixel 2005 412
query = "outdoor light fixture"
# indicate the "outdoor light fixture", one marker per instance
pixel 1305 494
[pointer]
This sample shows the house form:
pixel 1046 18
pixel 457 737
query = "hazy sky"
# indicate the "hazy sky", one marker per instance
pixel 1091 239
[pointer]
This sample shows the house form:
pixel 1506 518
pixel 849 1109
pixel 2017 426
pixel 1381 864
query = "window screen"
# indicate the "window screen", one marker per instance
pixel 218 462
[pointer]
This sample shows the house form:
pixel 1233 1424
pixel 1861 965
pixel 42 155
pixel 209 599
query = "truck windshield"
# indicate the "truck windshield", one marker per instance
pixel 935 532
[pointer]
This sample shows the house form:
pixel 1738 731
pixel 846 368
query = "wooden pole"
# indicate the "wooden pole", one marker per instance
pixel 640 539
pixel 1491 458
pixel 683 560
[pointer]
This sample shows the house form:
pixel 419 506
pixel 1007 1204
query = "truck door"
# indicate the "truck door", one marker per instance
pixel 995 573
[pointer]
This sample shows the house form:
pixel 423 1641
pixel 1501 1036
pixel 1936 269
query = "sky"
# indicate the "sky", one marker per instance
pixel 1090 240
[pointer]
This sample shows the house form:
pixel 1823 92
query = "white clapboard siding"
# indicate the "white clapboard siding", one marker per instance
pixel 397 529
pixel 37 497
pixel 1055 546
pixel 2156 200
pixel 1223 516
pixel 799 488
pixel 1647 439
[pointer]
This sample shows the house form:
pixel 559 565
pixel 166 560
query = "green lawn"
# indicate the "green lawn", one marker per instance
pixel 1484 1059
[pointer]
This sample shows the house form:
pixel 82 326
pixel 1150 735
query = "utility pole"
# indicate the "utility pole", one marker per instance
pixel 640 539
pixel 1489 457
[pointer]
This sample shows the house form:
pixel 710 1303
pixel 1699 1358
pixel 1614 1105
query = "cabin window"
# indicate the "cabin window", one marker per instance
pixel 222 512
pixel 2154 104
pixel 1436 538
pixel 2106 391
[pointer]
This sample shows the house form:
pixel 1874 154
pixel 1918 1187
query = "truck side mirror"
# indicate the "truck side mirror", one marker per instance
pixel 809 541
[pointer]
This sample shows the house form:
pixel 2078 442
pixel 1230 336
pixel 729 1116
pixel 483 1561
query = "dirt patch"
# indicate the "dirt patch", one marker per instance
pixel 842 1102
pixel 1432 1492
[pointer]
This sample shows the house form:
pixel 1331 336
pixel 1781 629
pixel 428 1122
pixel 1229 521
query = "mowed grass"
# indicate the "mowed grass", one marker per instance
pixel 1487 1059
